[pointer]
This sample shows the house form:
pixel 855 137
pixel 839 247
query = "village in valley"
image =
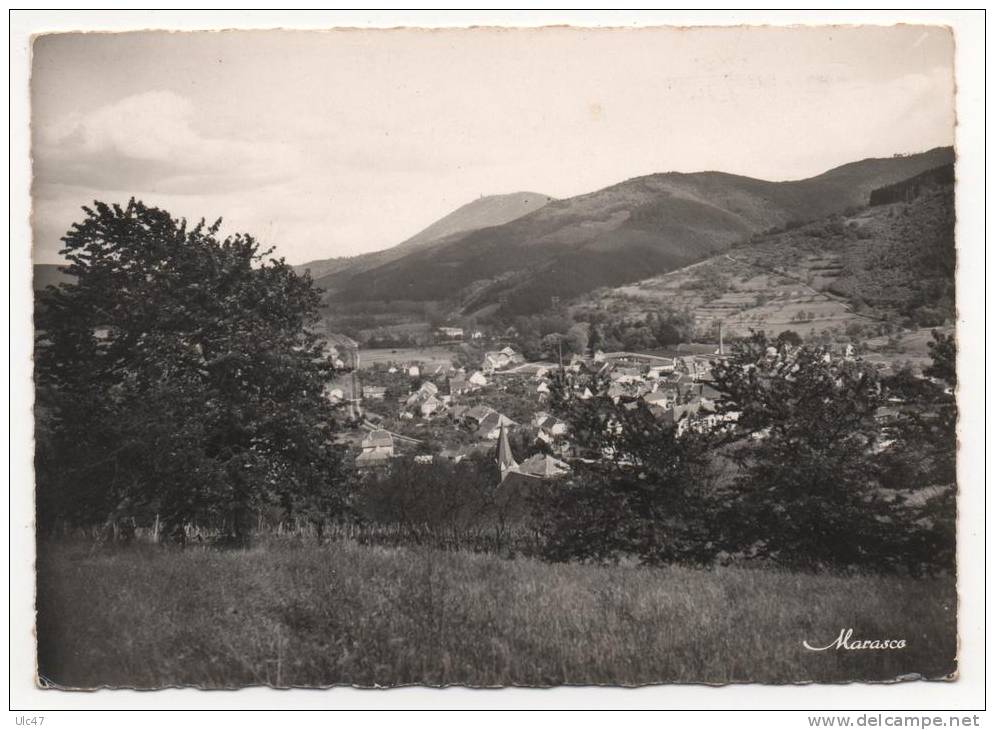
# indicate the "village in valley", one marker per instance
pixel 422 405
pixel 432 410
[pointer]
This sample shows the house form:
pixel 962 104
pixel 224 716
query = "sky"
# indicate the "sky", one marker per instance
pixel 340 142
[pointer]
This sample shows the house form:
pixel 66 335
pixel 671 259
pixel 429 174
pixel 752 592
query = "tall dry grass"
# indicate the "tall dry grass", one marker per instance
pixel 297 614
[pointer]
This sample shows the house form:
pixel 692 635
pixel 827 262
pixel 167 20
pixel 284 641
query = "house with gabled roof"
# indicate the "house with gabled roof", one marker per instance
pixel 377 449
pixel 539 466
pixel 697 414
pixel 490 427
pixel 477 414
pixel 498 359
pixel 661 398
pixel 495 361
pixel 430 406
pixel 552 426
pixel 425 391
pixel 544 466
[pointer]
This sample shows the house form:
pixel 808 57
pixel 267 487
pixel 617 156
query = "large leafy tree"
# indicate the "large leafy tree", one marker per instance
pixel 638 489
pixel 807 491
pixel 178 375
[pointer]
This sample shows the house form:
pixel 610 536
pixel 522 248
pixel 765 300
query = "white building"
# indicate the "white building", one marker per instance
pixel 452 333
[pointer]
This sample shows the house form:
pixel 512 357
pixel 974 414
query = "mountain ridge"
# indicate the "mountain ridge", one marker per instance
pixel 889 264
pixel 625 232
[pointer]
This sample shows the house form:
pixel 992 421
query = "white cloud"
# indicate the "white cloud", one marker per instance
pixel 150 126
pixel 149 141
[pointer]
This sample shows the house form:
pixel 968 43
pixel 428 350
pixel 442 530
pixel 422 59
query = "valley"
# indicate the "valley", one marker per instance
pixel 712 249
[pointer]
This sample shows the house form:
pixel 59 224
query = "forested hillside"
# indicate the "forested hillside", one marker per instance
pixel 890 263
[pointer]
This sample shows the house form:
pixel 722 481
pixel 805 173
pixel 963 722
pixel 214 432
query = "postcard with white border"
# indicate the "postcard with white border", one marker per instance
pixel 495 357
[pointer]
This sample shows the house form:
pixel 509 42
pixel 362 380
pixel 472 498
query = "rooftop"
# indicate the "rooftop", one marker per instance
pixel 379 437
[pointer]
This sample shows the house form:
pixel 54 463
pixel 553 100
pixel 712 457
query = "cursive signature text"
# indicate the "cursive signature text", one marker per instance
pixel 845 640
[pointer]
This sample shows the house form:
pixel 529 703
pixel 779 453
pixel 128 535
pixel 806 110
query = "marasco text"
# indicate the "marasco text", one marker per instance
pixel 845 641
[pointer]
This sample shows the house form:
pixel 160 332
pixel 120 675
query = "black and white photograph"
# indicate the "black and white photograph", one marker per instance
pixel 495 357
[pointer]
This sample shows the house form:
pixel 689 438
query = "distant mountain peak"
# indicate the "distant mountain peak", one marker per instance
pixel 483 212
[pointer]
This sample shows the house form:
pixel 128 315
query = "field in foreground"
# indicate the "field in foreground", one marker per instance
pixel 307 615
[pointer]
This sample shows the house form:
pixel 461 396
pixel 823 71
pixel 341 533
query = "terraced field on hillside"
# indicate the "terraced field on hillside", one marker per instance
pixel 750 297
pixel 883 264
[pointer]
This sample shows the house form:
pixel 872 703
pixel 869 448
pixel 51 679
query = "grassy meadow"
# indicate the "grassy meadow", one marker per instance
pixel 299 614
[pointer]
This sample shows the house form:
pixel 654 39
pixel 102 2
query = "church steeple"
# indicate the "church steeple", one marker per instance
pixel 506 460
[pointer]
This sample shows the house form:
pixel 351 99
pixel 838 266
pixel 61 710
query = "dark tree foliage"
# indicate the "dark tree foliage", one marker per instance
pixel 440 495
pixel 806 493
pixel 177 376
pixel 923 454
pixel 667 334
pixel 831 467
pixel 943 351
pixel 469 356
pixel 596 340
pixel 638 489
pixel 810 445
pixel 789 337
